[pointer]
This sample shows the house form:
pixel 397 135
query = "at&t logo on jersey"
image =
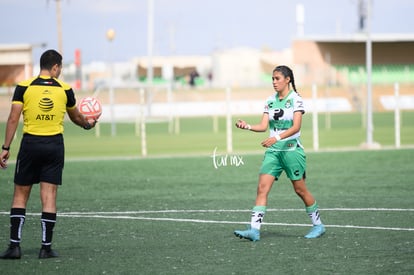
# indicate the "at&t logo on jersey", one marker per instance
pixel 45 105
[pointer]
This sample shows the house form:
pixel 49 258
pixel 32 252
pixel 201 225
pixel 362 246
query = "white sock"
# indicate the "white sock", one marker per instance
pixel 313 213
pixel 258 213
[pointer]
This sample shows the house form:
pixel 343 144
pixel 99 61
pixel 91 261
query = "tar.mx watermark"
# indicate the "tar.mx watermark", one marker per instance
pixel 226 160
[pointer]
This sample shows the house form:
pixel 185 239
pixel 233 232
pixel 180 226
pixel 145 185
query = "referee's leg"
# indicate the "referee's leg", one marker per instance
pixel 48 192
pixel 17 219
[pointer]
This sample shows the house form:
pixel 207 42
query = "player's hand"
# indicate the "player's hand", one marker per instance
pixel 242 124
pixel 268 142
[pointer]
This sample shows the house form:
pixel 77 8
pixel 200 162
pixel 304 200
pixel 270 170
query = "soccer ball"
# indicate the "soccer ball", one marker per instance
pixel 91 108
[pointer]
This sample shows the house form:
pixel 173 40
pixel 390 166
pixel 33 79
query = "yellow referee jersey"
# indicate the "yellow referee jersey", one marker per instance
pixel 45 101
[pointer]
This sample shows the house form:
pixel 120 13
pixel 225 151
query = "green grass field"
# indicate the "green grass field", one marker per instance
pixel 177 214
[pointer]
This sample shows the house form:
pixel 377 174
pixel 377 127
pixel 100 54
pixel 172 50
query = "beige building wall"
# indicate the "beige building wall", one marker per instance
pixel 15 63
pixel 309 63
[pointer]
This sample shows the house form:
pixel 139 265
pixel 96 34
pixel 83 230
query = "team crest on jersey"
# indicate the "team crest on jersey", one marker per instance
pixel 288 104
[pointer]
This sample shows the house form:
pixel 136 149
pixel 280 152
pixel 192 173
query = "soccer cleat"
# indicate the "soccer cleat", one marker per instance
pixel 12 253
pixel 249 234
pixel 45 254
pixel 316 231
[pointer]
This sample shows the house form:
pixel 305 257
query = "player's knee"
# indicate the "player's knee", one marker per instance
pixel 301 191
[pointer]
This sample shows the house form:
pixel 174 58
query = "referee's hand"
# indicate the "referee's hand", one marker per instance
pixel 4 156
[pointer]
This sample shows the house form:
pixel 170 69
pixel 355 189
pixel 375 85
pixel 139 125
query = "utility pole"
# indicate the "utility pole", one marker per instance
pixel 59 26
pixel 150 49
pixel 362 15
pixel 368 56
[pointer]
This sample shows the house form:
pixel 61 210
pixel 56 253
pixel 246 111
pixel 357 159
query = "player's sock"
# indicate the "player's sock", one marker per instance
pixel 313 213
pixel 48 221
pixel 17 218
pixel 258 213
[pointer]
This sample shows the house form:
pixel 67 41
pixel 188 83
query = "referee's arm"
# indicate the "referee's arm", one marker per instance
pixel 12 123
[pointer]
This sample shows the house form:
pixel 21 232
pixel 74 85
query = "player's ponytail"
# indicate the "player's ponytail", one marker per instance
pixel 287 72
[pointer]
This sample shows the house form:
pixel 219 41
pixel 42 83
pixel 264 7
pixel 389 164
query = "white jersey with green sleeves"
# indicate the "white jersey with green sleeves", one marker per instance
pixel 281 118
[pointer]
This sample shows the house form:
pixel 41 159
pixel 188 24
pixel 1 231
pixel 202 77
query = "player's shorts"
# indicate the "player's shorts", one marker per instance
pixel 40 159
pixel 292 161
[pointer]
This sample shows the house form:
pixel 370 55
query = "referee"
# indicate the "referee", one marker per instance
pixel 43 101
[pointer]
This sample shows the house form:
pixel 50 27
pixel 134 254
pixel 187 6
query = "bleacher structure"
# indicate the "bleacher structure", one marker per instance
pixel 341 60
pixel 380 74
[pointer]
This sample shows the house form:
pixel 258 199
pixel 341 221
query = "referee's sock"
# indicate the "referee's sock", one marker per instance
pixel 17 218
pixel 48 221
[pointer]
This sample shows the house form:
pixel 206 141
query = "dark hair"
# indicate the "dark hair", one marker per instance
pixel 49 59
pixel 287 72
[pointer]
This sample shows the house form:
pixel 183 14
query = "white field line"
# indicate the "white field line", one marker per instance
pixel 124 215
pixel 220 211
pixel 230 222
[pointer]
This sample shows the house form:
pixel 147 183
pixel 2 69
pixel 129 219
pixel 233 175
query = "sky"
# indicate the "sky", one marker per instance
pixel 186 27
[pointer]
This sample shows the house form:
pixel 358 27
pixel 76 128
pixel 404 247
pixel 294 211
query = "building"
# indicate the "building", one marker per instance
pixel 341 60
pixel 323 60
pixel 16 63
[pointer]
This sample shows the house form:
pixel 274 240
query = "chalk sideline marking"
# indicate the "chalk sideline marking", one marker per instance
pixel 126 215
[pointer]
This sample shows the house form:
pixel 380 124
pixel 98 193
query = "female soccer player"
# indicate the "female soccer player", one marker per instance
pixel 283 116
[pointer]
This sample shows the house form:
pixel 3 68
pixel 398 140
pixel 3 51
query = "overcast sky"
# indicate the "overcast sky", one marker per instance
pixel 186 27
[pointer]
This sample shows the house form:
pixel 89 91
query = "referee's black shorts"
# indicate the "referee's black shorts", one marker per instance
pixel 40 159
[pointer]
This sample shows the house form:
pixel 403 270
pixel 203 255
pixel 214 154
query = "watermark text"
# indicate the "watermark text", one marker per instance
pixel 226 160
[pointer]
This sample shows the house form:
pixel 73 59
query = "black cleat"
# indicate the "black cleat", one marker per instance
pixel 12 253
pixel 45 254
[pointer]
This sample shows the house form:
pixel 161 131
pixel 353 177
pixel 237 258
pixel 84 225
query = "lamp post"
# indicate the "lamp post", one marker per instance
pixel 110 36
